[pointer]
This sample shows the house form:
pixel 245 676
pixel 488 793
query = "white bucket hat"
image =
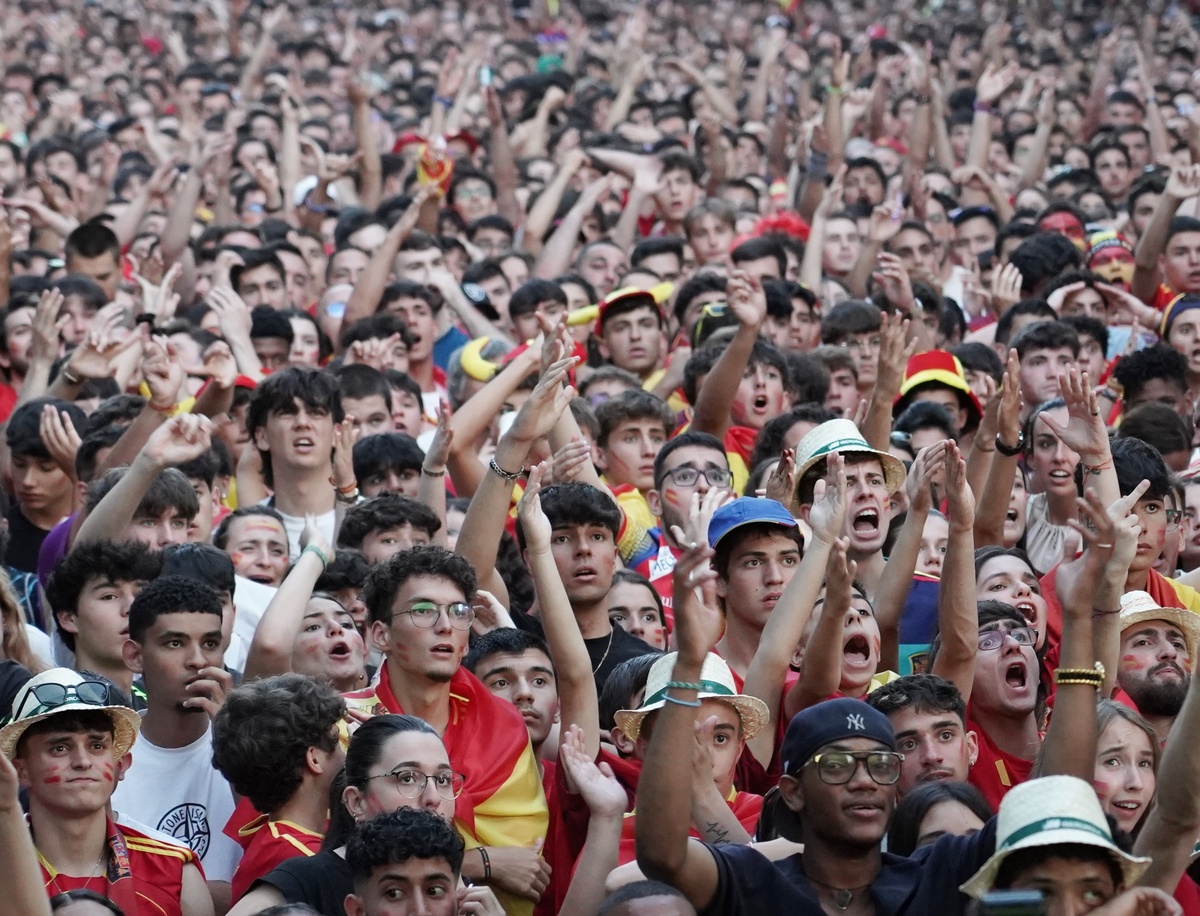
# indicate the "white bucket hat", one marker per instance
pixel 718 685
pixel 1138 607
pixel 61 690
pixel 1046 812
pixel 843 436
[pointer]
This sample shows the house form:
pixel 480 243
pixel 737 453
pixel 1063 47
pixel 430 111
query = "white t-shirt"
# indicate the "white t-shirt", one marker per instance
pixel 294 525
pixel 177 791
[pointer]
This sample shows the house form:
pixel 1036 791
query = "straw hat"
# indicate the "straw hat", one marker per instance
pixel 843 436
pixel 1137 607
pixel 75 691
pixel 1047 812
pixel 718 685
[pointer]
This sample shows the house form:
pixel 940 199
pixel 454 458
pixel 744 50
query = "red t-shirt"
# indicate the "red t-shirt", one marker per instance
pixel 144 876
pixel 267 843
pixel 995 771
pixel 745 806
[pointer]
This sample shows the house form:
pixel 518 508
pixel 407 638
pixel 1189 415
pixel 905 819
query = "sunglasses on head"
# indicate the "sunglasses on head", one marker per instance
pixel 51 696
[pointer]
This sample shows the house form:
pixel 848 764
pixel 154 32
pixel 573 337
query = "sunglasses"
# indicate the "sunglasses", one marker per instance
pixel 51 696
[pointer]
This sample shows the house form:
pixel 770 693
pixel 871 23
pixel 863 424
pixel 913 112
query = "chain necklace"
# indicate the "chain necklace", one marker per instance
pixel 611 633
pixel 87 881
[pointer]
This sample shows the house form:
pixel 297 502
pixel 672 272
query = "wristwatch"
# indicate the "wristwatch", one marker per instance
pixel 1010 450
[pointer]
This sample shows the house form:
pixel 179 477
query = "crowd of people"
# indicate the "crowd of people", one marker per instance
pixel 596 458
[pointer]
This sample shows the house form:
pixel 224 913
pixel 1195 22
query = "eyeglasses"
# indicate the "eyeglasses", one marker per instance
pixel 50 696
pixel 994 639
pixel 854 344
pixel 411 783
pixel 686 476
pixel 426 614
pixel 837 768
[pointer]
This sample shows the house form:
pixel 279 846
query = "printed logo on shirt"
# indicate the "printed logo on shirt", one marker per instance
pixel 664 563
pixel 189 824
pixel 855 721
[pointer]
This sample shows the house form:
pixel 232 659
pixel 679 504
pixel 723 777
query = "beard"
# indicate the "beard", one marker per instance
pixel 1158 698
pixel 439 677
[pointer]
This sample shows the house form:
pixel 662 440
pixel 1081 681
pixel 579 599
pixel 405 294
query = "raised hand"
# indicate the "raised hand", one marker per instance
pixel 162 372
pixel 312 536
pixel 93 358
pixel 827 516
pixel 746 299
pixel 1006 288
pixel 895 350
pixel 1008 417
pixel 569 461
pixel 959 498
pixel 47 326
pixel 893 279
pixel 925 468
pixel 545 405
pixel 605 797
pixel 995 82
pixel 1183 182
pixel 781 483
pixel 534 523
pixel 438 452
pixel 179 440
pixel 699 622
pixel 1084 432
pixel 60 438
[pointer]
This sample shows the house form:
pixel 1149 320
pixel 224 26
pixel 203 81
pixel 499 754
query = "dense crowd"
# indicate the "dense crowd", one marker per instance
pixel 578 457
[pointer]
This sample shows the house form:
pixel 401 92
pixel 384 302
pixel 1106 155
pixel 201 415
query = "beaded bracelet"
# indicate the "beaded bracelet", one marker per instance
pixel 318 552
pixel 684 685
pixel 487 865
pixel 425 472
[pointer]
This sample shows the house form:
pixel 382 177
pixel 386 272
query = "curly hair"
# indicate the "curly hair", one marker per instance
pixel 116 561
pixel 395 837
pixel 171 595
pixel 264 730
pixel 386 579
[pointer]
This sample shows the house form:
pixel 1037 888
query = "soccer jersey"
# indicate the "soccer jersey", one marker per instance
pixel 267 843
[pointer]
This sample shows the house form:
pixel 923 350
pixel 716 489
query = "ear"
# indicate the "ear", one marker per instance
pixel 131 652
pixel 722 587
pixel 600 457
pixel 260 439
pixel 354 906
pixel 654 501
pixel 379 635
pixel 355 801
pixel 124 764
pixel 792 793
pixel 804 512
pixel 972 748
pixel 603 348
pixel 67 621
pixel 621 741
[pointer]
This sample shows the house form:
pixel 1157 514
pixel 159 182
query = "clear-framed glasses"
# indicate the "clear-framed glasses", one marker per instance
pixel 425 614
pixel 837 768
pixel 994 639
pixel 854 344
pixel 51 696
pixel 411 783
pixel 686 476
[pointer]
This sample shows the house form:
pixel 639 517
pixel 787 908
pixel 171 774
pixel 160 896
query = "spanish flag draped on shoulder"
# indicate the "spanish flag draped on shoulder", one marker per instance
pixel 502 803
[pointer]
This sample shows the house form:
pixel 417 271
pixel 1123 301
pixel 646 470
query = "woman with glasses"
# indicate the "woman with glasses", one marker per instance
pixel 393 762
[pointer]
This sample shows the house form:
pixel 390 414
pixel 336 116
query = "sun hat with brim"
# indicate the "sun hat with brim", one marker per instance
pixel 943 368
pixel 1138 607
pixel 28 708
pixel 631 297
pixel 717 683
pixel 747 510
pixel 843 436
pixel 1048 812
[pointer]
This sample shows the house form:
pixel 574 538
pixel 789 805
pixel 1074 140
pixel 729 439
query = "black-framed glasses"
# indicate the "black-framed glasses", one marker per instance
pixel 51 696
pixel 994 639
pixel 836 768
pixel 426 614
pixel 411 783
pixel 686 476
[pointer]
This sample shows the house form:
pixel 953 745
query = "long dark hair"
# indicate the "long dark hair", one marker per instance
pixel 905 828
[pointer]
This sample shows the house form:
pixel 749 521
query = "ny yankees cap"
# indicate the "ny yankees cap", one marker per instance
pixel 833 720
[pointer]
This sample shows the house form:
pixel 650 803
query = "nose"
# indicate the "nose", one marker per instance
pixel 1022 590
pixel 648 447
pixel 1167 651
pixel 774 572
pixel 931 751
pixel 79 757
pixel 523 689
pixel 583 548
pixel 1133 777
pixel 443 622
pixel 196 659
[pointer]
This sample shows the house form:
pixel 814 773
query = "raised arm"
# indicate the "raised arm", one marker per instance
pixel 370 189
pixel 1182 183
pixel 19 871
pixel 767 674
pixel 271 648
pixel 958 620
pixel 180 439
pixel 665 791
pixel 1086 435
pixel 717 394
pixel 992 84
pixel 368 291
pixel 821 667
pixel 555 258
pixel 504 166
pixel 811 268
pixel 480 537
pixel 578 700
pixel 995 494
pixel 894 353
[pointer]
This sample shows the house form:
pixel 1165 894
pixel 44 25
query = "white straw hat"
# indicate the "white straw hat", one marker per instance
pixel 718 685
pixel 1137 607
pixel 1046 812
pixel 61 690
pixel 843 436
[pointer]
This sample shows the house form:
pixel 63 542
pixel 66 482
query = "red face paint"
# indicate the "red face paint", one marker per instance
pixel 672 497
pixel 51 780
pixel 107 770
pixel 1132 661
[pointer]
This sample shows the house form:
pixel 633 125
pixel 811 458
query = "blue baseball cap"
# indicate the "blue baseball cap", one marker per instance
pixel 747 510
pixel 832 720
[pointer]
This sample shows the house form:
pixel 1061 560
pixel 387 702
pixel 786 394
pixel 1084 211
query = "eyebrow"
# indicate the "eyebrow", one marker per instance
pixel 941 723
pixel 179 634
pixel 416 764
pixel 507 669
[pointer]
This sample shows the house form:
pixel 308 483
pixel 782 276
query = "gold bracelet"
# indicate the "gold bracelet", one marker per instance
pixel 1063 682
pixel 1097 670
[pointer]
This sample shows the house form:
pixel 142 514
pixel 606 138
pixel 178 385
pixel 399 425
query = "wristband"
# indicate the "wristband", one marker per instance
pixel 922 99
pixel 684 685
pixel 1010 450
pixel 833 90
pixel 346 499
pixel 487 865
pixel 507 475
pixel 982 108
pixel 443 101
pixel 425 472
pixel 314 208
pixel 318 552
pixel 145 318
pixel 1097 469
pixel 70 377
pixel 170 408
pixel 670 699
pixel 346 490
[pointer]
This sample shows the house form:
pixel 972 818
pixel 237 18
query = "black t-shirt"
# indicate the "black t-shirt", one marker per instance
pixel 24 541
pixel 606 657
pixel 322 881
pixel 12 679
pixel 925 884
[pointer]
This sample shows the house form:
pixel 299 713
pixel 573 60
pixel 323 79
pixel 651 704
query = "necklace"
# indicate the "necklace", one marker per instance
pixel 842 896
pixel 87 881
pixel 611 633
